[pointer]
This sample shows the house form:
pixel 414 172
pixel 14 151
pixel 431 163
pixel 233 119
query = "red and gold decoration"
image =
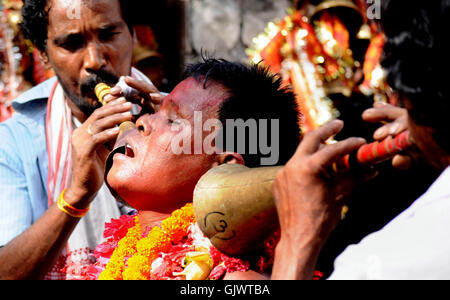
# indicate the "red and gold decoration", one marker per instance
pixel 374 75
pixel 20 67
pixel 310 48
pixel 10 57
pixel 313 56
pixel 310 60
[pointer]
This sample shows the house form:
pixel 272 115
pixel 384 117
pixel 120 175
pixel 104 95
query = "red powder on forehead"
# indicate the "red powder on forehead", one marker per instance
pixel 94 5
pixel 192 95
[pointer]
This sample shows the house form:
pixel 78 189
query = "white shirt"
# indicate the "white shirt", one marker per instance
pixel 414 245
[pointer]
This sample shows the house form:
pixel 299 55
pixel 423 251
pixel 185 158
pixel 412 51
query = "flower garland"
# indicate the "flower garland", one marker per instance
pixel 175 250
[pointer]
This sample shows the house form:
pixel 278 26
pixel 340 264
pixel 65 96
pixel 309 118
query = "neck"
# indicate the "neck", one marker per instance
pixel 76 111
pixel 151 219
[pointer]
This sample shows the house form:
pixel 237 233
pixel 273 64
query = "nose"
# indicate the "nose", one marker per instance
pixel 94 59
pixel 144 124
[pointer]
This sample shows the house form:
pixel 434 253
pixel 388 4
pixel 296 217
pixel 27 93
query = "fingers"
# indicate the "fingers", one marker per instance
pixel 402 162
pixel 329 154
pixel 147 91
pixel 148 97
pixel 101 127
pixel 395 116
pixel 383 112
pixel 322 156
pixel 101 138
pixel 393 128
pixel 313 140
pixel 113 108
pixel 157 97
pixel 141 85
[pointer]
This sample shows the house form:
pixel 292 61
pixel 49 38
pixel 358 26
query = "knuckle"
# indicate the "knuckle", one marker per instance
pixel 310 137
pixel 95 114
pixel 311 164
pixel 281 174
pixel 95 139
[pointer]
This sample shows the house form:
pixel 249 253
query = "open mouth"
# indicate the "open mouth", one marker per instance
pixel 128 151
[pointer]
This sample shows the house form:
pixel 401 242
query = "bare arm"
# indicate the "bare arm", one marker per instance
pixel 33 253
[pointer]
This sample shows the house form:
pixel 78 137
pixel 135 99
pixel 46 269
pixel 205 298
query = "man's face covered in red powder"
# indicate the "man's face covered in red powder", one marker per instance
pixel 150 176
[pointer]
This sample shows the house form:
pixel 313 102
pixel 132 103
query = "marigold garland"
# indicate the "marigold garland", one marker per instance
pixel 176 250
pixel 133 257
pixel 125 248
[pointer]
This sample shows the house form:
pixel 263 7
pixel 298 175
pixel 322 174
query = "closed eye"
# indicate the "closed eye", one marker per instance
pixel 107 36
pixel 71 42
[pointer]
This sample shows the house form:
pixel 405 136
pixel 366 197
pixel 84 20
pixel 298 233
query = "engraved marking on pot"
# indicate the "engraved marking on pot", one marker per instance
pixel 220 225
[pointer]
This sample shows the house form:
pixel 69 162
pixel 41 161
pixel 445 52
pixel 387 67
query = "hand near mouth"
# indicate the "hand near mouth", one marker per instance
pixel 148 96
pixel 89 152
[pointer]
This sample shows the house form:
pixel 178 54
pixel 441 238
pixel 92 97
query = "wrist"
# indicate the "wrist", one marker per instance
pixel 78 198
pixel 295 260
pixel 70 210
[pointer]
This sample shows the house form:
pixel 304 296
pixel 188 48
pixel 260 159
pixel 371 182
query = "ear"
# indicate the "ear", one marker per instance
pixel 43 57
pixel 230 158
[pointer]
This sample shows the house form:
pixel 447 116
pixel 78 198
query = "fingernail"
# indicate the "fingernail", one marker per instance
pixel 394 128
pixel 379 104
pixel 115 130
pixel 115 90
pixel 369 111
pixel 379 133
pixel 119 100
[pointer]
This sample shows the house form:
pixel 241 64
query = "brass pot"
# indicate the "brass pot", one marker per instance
pixel 234 207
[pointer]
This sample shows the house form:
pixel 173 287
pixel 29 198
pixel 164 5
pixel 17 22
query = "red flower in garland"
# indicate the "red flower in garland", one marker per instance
pixel 118 228
pixel 225 264
pixel 114 232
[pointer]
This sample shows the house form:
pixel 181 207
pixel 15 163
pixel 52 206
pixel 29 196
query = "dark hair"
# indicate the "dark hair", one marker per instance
pixel 255 94
pixel 35 21
pixel 416 57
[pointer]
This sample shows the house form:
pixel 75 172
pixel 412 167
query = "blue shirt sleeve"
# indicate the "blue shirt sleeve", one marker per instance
pixel 15 204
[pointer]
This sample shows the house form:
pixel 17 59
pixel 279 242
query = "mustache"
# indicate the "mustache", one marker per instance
pixel 87 86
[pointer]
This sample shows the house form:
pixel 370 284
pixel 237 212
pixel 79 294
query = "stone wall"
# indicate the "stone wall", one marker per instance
pixel 225 28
